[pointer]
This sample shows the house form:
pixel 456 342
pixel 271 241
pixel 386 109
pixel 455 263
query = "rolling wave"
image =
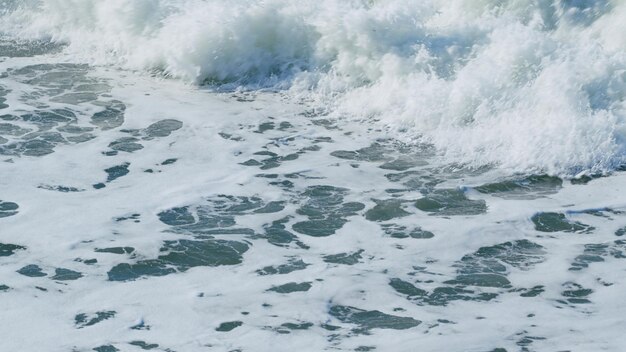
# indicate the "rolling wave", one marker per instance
pixel 527 85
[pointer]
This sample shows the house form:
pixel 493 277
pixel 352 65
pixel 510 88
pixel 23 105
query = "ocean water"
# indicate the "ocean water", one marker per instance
pixel 280 175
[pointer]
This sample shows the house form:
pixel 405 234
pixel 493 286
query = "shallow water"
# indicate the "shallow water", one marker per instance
pixel 142 213
pixel 151 215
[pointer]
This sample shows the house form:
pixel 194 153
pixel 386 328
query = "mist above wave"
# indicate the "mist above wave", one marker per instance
pixel 528 85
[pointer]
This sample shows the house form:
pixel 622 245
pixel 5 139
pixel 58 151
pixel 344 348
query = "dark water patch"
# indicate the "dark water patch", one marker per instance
pixel 111 117
pixel 216 214
pixel 271 160
pixel 8 129
pixel 330 327
pixel 599 212
pixel 31 270
pixel 52 137
pixel 325 210
pixel 373 153
pixel 284 125
pixel 292 287
pixel 557 222
pixel 271 207
pixel 294 264
pixel 59 82
pixel 415 180
pixel 3 140
pixel 7 249
pixel 36 147
pixel 287 328
pixel 575 294
pixel 521 254
pixel 266 126
pixel 527 341
pixel 285 184
pixel 162 128
pixel 177 216
pixel 483 280
pixel 83 320
pixel 132 217
pixel 595 253
pixel 621 232
pixel 126 144
pixel 344 258
pixel 81 138
pixel 319 228
pixel 229 326
pixel 373 319
pixel 141 325
pixel 276 233
pixel 487 268
pixel 251 162
pixel 533 292
pixel 387 209
pixel 115 172
pixel 105 348
pixel 62 189
pixel 403 163
pixel 91 261
pixel 62 274
pixel 525 188
pixel 116 250
pixel 440 296
pixel 129 272
pixel 397 231
pixel 450 202
pixel 47 119
pixel 144 345
pixel 169 161
pixel 181 255
pixel 407 288
pixel 230 137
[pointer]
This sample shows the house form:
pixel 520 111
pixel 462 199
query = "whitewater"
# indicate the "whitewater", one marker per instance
pixel 281 175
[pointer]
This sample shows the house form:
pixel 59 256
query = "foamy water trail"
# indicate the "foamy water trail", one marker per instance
pixel 530 86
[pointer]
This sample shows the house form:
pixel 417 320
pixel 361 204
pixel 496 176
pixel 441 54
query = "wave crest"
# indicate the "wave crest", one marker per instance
pixel 530 85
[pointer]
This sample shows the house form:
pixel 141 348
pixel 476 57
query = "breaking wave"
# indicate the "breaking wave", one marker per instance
pixel 528 85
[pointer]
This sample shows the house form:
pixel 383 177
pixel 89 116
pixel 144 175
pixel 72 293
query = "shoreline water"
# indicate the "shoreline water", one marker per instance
pixel 141 212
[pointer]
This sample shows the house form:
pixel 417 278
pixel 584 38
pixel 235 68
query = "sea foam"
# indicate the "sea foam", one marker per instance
pixel 527 85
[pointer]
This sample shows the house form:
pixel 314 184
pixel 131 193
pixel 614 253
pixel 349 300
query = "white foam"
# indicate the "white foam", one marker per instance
pixel 530 86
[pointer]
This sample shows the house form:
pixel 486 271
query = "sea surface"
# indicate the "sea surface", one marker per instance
pixel 281 175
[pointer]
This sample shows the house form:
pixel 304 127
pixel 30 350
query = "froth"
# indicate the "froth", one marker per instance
pixel 531 86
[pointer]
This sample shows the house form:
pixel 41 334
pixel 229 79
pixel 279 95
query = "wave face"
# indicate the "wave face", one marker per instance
pixel 528 85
